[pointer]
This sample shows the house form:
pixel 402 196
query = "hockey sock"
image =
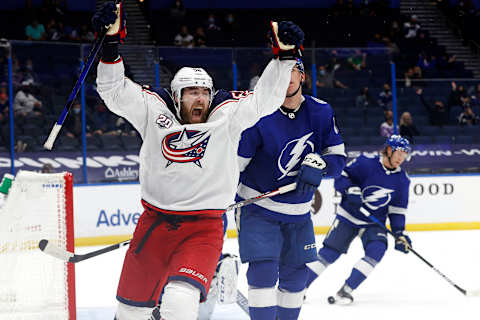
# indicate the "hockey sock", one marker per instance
pixel 180 301
pixel 262 296
pixel 361 271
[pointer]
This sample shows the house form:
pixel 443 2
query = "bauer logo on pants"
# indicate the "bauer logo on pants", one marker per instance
pixel 193 273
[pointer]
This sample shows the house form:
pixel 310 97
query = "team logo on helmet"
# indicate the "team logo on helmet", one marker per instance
pixel 185 146
pixel 375 197
pixel 292 154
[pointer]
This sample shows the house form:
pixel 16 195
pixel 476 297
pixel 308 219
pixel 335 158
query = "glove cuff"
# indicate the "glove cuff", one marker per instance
pixel 109 52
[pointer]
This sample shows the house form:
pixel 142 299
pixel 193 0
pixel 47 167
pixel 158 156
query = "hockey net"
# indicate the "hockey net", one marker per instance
pixel 34 285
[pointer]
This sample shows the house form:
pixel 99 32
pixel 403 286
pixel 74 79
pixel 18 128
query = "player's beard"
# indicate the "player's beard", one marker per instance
pixel 196 114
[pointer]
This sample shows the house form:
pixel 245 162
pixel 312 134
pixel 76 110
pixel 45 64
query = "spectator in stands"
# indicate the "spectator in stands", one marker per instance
pixel 410 28
pixel 468 117
pixel 358 61
pixel 407 128
pixel 474 93
pixel 104 120
pixel 417 76
pixel 25 103
pixel 184 38
pixel 327 79
pixel 230 28
pixel 213 31
pixel 73 123
pixel 199 38
pixel 438 113
pixel 457 94
pixel 364 100
pixel 4 104
pixel 56 31
pixel 35 31
pixel 426 63
pixel 178 11
pixel 386 128
pixel 86 35
pixel 385 97
pixel 408 77
pixel 28 72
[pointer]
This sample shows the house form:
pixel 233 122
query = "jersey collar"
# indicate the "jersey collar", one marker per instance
pixel 291 114
pixel 388 171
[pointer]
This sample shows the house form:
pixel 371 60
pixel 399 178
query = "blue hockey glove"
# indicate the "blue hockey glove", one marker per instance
pixel 287 40
pixel 352 199
pixel 402 242
pixel 310 174
pixel 112 17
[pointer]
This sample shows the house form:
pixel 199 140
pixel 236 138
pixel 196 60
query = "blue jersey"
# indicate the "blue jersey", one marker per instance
pixel 271 153
pixel 384 192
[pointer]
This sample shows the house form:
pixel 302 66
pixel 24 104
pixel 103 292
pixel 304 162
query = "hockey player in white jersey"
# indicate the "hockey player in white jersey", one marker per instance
pixel 298 143
pixel 379 185
pixel 188 168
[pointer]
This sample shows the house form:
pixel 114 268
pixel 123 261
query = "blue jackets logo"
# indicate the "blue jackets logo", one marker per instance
pixel 185 146
pixel 292 154
pixel 375 197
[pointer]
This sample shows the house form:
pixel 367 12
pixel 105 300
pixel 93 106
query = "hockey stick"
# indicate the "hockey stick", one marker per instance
pixel 81 79
pixel 465 292
pixel 67 256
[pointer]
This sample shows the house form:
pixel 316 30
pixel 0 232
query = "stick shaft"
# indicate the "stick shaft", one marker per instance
pixel 281 190
pixel 81 79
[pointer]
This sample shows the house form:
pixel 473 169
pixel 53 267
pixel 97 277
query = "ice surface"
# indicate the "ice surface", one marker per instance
pixel 401 286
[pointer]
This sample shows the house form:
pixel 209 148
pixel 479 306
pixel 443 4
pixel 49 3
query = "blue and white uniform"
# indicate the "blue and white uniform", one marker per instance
pixel 366 182
pixel 277 233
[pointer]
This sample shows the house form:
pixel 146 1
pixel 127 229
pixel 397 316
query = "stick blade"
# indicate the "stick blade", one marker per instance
pixel 54 251
pixel 473 293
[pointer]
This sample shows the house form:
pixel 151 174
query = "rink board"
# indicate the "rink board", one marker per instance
pixel 107 213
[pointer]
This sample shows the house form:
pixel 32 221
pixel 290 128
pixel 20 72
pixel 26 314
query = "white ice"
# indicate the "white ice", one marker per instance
pixel 401 287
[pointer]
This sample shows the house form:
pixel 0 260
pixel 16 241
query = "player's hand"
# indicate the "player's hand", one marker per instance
pixel 310 174
pixel 352 199
pixel 287 40
pixel 402 242
pixel 111 16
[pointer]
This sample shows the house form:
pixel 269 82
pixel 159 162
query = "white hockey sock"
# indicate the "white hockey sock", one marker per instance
pixel 180 301
pixel 126 312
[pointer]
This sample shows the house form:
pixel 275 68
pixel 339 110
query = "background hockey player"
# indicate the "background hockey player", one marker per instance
pixel 188 169
pixel 276 235
pixel 381 187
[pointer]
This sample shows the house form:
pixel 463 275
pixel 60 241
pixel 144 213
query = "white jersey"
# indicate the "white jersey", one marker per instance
pixel 191 168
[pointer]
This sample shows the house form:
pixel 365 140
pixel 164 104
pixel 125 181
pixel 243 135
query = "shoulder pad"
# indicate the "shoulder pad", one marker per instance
pixel 164 94
pixel 223 95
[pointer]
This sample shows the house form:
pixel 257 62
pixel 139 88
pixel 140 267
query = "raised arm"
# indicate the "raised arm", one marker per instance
pixel 121 95
pixel 270 90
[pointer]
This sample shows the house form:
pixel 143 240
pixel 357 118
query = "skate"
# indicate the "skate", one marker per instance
pixel 342 297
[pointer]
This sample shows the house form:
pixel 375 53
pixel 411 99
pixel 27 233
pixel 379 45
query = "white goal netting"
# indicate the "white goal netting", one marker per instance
pixel 34 285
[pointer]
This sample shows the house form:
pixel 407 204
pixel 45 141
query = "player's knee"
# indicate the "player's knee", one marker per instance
pixel 262 274
pixel 180 301
pixel 126 312
pixel 376 250
pixel 328 254
pixel 293 279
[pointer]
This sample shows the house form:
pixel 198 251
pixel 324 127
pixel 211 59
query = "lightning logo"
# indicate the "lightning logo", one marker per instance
pixel 298 148
pixel 375 197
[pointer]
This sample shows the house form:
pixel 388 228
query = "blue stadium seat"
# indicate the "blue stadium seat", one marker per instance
pixel 357 141
pixel 465 140
pixel 431 131
pixel 423 140
pixel 443 139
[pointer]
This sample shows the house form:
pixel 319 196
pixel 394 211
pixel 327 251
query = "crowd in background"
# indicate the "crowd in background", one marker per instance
pixel 417 56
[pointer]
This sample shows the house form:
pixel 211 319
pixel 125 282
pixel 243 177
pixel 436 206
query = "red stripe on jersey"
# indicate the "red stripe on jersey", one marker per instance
pixel 152 93
pixel 114 62
pixel 210 212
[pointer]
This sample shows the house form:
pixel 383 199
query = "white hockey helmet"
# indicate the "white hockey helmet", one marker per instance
pixel 189 77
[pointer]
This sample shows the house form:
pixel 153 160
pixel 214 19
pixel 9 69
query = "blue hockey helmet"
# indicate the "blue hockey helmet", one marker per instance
pixel 299 65
pixel 397 142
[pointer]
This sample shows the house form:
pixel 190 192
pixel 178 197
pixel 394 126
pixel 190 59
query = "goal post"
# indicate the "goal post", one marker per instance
pixel 34 285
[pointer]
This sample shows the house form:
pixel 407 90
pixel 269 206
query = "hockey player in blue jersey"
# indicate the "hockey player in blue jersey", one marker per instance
pixel 276 235
pixel 379 185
